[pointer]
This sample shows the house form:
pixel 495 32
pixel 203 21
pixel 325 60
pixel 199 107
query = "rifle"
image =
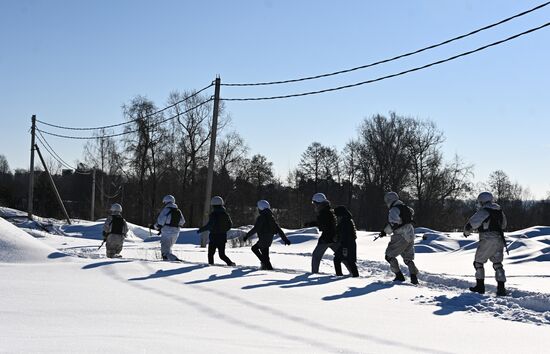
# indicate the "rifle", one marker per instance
pixel 105 235
pixel 381 234
pixel 504 240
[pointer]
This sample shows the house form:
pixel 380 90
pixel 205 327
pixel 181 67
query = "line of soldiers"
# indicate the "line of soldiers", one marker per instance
pixel 338 232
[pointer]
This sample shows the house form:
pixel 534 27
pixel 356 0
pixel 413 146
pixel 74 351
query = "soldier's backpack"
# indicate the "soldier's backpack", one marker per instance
pixel 175 217
pixel 493 221
pixel 405 214
pixel 117 224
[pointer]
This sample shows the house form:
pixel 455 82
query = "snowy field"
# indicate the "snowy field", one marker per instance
pixel 61 295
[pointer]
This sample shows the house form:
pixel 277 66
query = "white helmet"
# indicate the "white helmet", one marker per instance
pixel 217 200
pixel 168 199
pixel 263 204
pixel 116 208
pixel 484 198
pixel 390 198
pixel 319 198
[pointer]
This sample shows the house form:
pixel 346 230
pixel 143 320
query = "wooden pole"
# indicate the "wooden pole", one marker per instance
pixel 53 185
pixel 211 157
pixel 92 212
pixel 31 169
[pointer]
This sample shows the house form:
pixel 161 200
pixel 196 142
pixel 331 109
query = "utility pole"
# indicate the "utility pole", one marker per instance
pixel 53 185
pixel 31 169
pixel 211 156
pixel 92 212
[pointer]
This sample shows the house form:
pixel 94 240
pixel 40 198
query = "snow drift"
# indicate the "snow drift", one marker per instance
pixel 17 246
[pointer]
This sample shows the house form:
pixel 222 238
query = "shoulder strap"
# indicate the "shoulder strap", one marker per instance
pixel 494 220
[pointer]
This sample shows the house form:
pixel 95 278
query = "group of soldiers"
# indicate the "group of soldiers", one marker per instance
pixel 338 232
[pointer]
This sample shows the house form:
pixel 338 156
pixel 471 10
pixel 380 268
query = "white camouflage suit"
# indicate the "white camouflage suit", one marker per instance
pixel 114 242
pixel 491 244
pixel 401 242
pixel 168 234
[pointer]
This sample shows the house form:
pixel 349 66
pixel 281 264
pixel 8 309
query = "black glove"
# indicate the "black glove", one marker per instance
pixel 382 234
pixel 467 230
pixel 287 241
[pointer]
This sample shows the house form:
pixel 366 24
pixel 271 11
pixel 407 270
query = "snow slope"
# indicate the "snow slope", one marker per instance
pixel 92 304
pixel 17 246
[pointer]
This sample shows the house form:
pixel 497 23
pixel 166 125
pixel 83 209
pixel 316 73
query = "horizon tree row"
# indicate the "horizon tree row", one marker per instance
pixel 160 156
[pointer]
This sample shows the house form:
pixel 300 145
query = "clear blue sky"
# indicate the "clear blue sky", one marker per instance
pixel 77 62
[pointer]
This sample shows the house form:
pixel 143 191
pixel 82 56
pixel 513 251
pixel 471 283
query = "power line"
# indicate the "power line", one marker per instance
pixel 108 196
pixel 123 133
pixel 394 58
pixel 392 75
pixel 55 156
pixel 130 121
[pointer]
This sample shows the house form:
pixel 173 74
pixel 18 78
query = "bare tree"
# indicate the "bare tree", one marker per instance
pixel 502 188
pixel 4 166
pixel 350 165
pixel 230 152
pixel 102 154
pixel 258 171
pixel 320 162
pixel 144 143
pixel 384 161
pixel 192 136
pixel 423 147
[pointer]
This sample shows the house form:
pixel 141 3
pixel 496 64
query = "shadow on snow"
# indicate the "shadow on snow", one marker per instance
pixel 167 273
pixel 355 292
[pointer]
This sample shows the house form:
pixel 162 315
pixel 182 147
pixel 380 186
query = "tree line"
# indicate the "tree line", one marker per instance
pixel 159 156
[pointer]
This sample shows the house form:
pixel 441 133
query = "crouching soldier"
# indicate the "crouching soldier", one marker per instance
pixel 169 222
pixel 347 250
pixel 490 222
pixel 265 226
pixel 114 231
pixel 400 226
pixel 219 222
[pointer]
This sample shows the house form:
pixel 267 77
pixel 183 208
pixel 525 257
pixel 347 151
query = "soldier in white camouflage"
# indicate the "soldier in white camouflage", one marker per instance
pixel 490 222
pixel 400 226
pixel 169 221
pixel 114 231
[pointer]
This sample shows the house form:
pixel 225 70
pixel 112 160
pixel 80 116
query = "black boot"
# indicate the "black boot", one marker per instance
pixel 480 286
pixel 414 279
pixel 399 277
pixel 501 290
pixel 338 268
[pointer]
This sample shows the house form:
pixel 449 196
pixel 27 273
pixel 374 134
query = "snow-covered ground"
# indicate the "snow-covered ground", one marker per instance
pixel 61 295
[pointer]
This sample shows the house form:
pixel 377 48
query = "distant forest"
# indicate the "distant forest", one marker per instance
pixel 388 152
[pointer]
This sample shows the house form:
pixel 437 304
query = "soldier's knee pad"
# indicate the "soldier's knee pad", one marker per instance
pixel 478 265
pixel 497 266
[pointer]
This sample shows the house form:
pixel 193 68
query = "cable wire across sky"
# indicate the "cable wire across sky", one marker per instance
pixel 125 132
pixel 396 57
pixel 55 155
pixel 130 121
pixel 392 75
